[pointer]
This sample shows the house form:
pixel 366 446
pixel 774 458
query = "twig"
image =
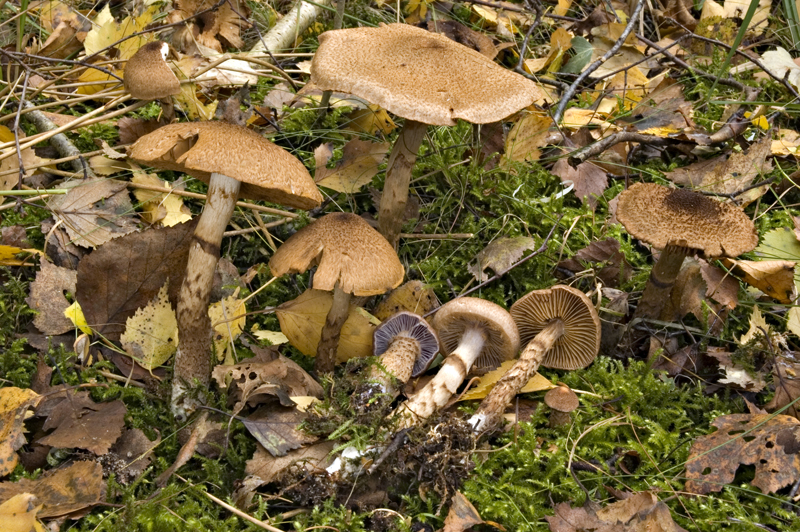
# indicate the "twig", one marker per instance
pixel 437 236
pixel 570 92
pixel 21 168
pixel 581 155
pixel 295 22
pixel 60 142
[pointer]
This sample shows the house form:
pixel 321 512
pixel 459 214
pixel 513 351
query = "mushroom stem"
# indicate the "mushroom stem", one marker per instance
pixel 398 361
pixel 193 359
pixel 445 384
pixel 329 339
pixel 398 179
pixel 490 412
pixel 662 278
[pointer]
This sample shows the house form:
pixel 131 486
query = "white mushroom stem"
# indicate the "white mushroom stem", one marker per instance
pixel 329 339
pixel 398 178
pixel 193 359
pixel 490 412
pixel 398 362
pixel 662 278
pixel 445 384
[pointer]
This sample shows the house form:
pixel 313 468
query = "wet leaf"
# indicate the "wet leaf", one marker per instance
pixel 500 255
pixel 14 403
pixel 151 334
pixel 358 165
pixel 770 443
pixel 48 297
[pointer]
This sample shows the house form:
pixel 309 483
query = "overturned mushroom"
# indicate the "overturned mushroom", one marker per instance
pixel 562 331
pixel 352 259
pixel 680 223
pixel 423 77
pixel 474 332
pixel 234 161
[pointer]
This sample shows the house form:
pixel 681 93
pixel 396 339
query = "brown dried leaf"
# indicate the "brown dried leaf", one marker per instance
pixel 640 512
pixel 786 378
pixel 613 267
pixel 412 296
pixel 48 298
pixel 720 286
pixel 664 110
pixel 456 31
pixel 770 443
pixel 269 468
pixel 62 491
pixel 358 165
pixel 462 515
pixel 500 255
pixel 734 374
pixel 14 403
pixel 773 277
pixel 125 274
pixel 277 429
pixel 588 179
pixel 134 451
pixel 130 129
pixel 95 211
pixel 93 426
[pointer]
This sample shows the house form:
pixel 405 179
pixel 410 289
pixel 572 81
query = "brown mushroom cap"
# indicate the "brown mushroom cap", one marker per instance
pixel 458 315
pixel 561 398
pixel 267 172
pixel 347 250
pixel 579 344
pixel 148 76
pixel 660 216
pixel 419 75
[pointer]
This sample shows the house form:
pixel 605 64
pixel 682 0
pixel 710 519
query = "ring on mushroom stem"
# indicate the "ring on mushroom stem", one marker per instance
pixel 561 330
pixel 352 258
pixel 474 332
pixel 422 77
pixel 680 222
pixel 261 170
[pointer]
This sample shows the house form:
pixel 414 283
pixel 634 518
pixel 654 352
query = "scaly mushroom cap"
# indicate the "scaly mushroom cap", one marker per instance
pixel 660 216
pixel 267 172
pixel 148 76
pixel 419 75
pixel 562 399
pixel 409 325
pixel 502 337
pixel 347 250
pixel 579 344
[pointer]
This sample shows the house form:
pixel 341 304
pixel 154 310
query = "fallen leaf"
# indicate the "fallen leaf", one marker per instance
pixel 14 404
pixel 612 266
pixel 228 320
pixel 589 180
pixel 159 207
pixel 462 515
pixel 302 320
pixel 773 277
pixel 639 512
pixel 770 443
pixel 105 166
pixel 269 468
pixel 131 129
pixel 62 491
pixel 758 327
pixel 48 297
pixel 788 141
pixel 91 426
pixel 720 286
pixel 500 255
pixel 786 379
pixel 372 120
pixel 151 334
pixel 276 429
pixel 735 374
pixel 273 337
pixel 486 382
pixel 189 102
pixel 793 320
pixel 358 165
pixel 527 136
pixel 134 452
pixel 458 32
pixel 125 274
pixel 18 514
pixel 74 314
pixel 779 244
pixel 413 296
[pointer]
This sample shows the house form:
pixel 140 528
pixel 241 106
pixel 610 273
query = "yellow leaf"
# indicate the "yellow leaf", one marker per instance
pixel 228 319
pixel 758 326
pixel 273 337
pixel 74 313
pixel 793 320
pixel 302 320
pixel 5 134
pixel 787 143
pixel 412 296
pixel 14 404
pixel 109 32
pixel 562 8
pixel 302 402
pixel 191 104
pixel 98 80
pixel 151 334
pixel 159 207
pixel 358 165
pixel 537 383
pixel 371 120
pixel 527 136
pixel 18 514
pixel 102 165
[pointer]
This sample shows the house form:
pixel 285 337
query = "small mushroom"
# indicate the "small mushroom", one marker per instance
pixel 407 345
pixel 561 330
pixel 423 77
pixel 147 75
pixel 562 400
pixel 680 223
pixel 234 161
pixel 352 258
pixel 474 332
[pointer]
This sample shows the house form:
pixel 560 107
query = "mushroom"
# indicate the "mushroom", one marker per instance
pixel 147 75
pixel 562 400
pixel 235 162
pixel 352 258
pixel 423 77
pixel 474 332
pixel 407 345
pixel 561 330
pixel 680 222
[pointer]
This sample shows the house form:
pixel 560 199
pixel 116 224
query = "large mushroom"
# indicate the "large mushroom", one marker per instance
pixel 474 332
pixel 352 258
pixel 147 76
pixel 423 77
pixel 561 330
pixel 680 223
pixel 235 162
